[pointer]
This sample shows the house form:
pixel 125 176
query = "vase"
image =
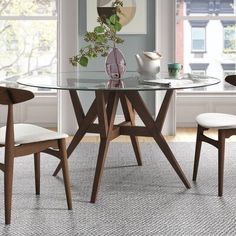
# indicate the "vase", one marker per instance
pixel 115 64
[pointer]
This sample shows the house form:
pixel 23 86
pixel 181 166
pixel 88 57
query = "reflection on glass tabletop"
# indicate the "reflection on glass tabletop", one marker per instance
pixel 90 81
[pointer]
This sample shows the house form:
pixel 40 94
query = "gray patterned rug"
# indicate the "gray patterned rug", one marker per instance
pixel 147 200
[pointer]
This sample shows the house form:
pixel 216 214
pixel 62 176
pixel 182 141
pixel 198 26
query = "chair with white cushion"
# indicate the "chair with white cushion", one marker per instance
pixel 226 126
pixel 24 139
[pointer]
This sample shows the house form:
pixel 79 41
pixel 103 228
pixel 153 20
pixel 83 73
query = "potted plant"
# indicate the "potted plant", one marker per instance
pixel 102 41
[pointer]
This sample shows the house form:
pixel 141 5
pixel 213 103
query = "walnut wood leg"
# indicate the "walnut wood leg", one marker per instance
pixel 155 129
pixel 104 143
pixel 130 116
pixel 83 127
pixel 8 181
pixel 171 158
pixel 65 170
pixel 37 172
pixel 78 109
pixel 221 156
pixel 197 151
pixel 106 117
pixel 75 141
pixel 135 144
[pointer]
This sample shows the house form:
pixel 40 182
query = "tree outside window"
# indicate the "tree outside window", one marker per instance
pixel 230 39
pixel 28 37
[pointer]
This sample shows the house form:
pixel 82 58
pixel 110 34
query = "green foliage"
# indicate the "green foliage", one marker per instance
pixel 101 39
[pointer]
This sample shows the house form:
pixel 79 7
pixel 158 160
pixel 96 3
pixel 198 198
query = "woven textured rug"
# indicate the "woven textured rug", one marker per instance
pixel 133 200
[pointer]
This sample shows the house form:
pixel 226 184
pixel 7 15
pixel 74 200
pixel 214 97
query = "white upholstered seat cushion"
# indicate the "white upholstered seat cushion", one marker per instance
pixel 27 133
pixel 217 120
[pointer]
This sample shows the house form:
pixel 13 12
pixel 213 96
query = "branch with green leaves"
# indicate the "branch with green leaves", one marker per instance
pixel 101 39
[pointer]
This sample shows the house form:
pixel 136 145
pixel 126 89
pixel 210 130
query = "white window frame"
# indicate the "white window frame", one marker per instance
pixel 68 16
pixel 165 44
pixel 42 110
pixel 191 103
pixel 203 18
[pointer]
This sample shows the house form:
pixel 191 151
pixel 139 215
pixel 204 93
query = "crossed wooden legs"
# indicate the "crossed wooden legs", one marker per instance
pixel 130 116
pixel 154 127
pixel 104 107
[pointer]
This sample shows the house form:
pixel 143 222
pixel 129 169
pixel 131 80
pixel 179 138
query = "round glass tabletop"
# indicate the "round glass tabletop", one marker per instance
pixel 91 81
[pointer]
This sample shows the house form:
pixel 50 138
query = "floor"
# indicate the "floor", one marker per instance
pixel 182 135
pixel 148 200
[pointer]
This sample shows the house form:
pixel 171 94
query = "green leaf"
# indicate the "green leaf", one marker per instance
pixel 104 54
pixel 117 26
pixel 113 19
pixel 100 38
pixel 99 29
pixel 119 40
pixel 108 22
pixel 112 27
pixel 83 61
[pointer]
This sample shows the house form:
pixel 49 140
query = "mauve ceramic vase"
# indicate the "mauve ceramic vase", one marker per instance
pixel 115 64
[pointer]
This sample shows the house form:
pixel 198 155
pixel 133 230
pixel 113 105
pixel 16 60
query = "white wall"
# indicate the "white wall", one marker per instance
pixel 41 110
pixel 188 106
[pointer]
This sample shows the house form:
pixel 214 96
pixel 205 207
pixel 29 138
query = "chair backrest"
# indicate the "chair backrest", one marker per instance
pixel 12 95
pixel 231 79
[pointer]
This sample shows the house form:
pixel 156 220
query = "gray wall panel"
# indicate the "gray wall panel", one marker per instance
pixel 133 44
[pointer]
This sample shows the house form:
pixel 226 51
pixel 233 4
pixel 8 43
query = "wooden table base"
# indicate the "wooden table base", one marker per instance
pixel 104 108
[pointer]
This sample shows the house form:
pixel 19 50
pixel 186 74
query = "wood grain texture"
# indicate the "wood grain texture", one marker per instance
pixel 9 97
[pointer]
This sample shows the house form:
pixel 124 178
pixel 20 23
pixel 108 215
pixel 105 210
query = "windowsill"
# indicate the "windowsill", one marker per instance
pixel 198 52
pixel 207 92
pixel 44 92
pixel 221 89
pixel 229 52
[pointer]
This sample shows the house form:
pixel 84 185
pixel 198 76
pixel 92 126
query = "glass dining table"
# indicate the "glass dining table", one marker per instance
pixel 104 108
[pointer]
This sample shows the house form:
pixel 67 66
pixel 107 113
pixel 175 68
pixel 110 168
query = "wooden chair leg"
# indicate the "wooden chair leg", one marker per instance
pixel 37 172
pixel 197 152
pixel 65 171
pixel 8 181
pixel 221 157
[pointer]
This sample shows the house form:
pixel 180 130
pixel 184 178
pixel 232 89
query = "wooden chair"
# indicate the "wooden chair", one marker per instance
pixel 226 126
pixel 24 139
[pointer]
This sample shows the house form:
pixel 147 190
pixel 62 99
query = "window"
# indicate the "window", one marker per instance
pixel 228 69
pixel 198 39
pixel 229 36
pixel 198 68
pixel 28 37
pixel 228 72
pixel 198 33
pixel 226 85
pixel 199 72
pixel 206 35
